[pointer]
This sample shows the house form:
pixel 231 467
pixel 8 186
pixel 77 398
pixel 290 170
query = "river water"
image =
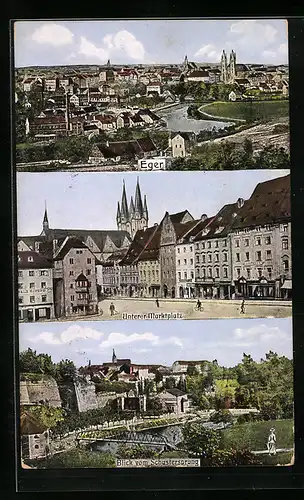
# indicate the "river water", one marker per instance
pixel 178 120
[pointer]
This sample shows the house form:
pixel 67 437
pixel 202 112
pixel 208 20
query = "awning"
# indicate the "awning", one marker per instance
pixel 287 285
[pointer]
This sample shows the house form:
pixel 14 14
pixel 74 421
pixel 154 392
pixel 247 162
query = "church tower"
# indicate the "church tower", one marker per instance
pixel 136 216
pixel 45 224
pixel 224 72
pixel 232 67
pixel 114 358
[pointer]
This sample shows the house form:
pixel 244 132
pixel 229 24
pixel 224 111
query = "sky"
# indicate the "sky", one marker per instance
pixel 89 200
pixel 159 342
pixel 52 42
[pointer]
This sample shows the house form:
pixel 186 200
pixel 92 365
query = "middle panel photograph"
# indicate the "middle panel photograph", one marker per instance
pixel 168 245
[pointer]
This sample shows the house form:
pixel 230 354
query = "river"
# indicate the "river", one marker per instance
pixel 178 120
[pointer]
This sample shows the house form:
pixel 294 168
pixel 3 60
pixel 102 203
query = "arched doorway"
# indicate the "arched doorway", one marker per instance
pixel 181 292
pixel 130 291
pixel 173 292
pixel 165 289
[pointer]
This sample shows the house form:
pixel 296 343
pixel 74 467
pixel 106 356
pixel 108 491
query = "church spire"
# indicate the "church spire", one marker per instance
pixel 114 358
pixel 45 223
pixel 124 205
pixel 131 208
pixel 118 216
pixel 138 200
pixel 145 208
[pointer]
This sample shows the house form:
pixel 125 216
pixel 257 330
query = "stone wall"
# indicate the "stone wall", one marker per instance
pixel 45 389
pixel 85 396
pixel 104 397
pixel 24 395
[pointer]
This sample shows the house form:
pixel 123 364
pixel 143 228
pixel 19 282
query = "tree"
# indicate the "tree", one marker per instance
pixel 170 383
pixel 272 157
pixel 31 362
pixel 66 370
pixel 200 441
pixel 48 416
pixel 221 416
pixel 191 370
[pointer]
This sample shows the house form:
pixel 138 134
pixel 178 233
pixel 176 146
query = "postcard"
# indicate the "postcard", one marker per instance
pixel 217 393
pixel 151 95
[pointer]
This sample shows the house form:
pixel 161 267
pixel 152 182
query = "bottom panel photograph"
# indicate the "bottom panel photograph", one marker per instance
pixel 156 394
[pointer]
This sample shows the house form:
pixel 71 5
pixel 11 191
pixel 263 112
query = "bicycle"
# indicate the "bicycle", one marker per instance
pixel 198 308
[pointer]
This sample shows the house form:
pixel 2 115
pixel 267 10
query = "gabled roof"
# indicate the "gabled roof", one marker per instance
pixel 71 243
pixel 99 236
pixel 220 225
pixel 185 135
pixel 33 260
pixel 81 277
pixel 30 425
pixel 198 73
pixel 127 148
pixel 176 392
pixel 198 227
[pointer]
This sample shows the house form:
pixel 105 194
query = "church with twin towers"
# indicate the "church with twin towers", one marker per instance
pixel 228 71
pixel 133 216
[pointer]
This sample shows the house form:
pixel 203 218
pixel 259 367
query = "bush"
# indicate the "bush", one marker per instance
pixel 137 451
pixel 78 459
pixel 221 416
pixel 248 417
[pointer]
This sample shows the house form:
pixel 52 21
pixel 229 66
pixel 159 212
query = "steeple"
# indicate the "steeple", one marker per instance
pixel 124 204
pixel 45 223
pixel 118 216
pixel 138 201
pixel 114 358
pixel 145 208
pixel 224 67
pixel 131 208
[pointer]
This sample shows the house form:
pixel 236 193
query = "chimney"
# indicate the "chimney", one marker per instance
pixel 240 202
pixel 204 217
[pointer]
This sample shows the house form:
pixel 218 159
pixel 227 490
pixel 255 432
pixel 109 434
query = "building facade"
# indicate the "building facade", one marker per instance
pixel 35 287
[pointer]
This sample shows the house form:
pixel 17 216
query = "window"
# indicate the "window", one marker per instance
pixel 237 257
pixel 185 275
pixel 246 242
pixel 184 249
pixel 210 272
pixel 43 284
pixel 90 296
pixel 259 272
pixel 248 273
pixel 20 300
pixel 217 257
pixel 179 275
pixel 268 254
pixel 71 273
pixel 237 243
pixel 217 272
pixel 32 299
pixel 72 298
pixel 20 286
pixel 225 243
pixel 31 273
pixel 259 255
pixel 178 250
pixel 89 261
pixel 20 274
pixel 44 273
pixel 225 271
pixel 30 259
pixel 216 244
pixel 269 271
pixel 88 272
pixel 247 255
pixel 72 285
pixel 43 298
pixel 284 244
pixel 191 262
pixel 203 258
pixel 192 275
pixel 286 265
pixel 203 245
pixel 258 241
pixel 32 285
pixel 204 272
pixel 79 252
pixel 238 272
pixel 197 259
pixel 71 261
pixel 209 244
pixel 191 249
pixel 267 240
pixel 284 228
pixel 225 257
pixel 185 261
pixel 178 262
pixel 209 257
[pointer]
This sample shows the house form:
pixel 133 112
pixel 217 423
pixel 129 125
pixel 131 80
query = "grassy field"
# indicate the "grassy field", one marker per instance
pixel 254 435
pixel 249 111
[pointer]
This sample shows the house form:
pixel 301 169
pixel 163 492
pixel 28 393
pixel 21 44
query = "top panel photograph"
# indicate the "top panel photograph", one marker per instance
pixel 150 95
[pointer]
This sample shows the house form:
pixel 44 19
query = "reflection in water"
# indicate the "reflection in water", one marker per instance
pixel 177 120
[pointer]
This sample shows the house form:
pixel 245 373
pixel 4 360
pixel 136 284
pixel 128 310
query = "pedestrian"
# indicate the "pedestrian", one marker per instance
pixel 199 305
pixel 242 307
pixel 157 303
pixel 112 309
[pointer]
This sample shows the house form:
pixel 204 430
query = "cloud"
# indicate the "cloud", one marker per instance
pixel 269 54
pixel 115 339
pixel 260 334
pixel 90 50
pixel 208 51
pixel 250 35
pixel 53 34
pixel 72 333
pixel 122 41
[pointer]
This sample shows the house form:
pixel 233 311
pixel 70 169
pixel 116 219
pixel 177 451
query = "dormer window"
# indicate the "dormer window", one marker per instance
pixel 205 231
pixel 30 259
pixel 219 229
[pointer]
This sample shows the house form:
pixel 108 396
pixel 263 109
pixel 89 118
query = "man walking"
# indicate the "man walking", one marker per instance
pixel 112 309
pixel 242 307
pixel 157 303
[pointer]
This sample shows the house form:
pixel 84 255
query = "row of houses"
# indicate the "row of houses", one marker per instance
pixel 243 251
